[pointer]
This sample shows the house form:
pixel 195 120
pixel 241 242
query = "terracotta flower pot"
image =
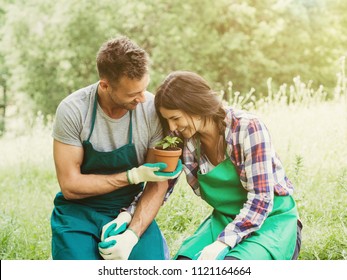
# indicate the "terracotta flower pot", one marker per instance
pixel 170 157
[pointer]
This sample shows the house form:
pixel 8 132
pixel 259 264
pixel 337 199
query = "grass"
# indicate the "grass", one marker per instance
pixel 25 208
pixel 28 185
pixel 310 138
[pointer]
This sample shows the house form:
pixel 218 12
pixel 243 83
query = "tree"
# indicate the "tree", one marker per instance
pixel 49 48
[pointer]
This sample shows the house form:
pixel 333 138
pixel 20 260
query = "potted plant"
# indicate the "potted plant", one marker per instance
pixel 167 151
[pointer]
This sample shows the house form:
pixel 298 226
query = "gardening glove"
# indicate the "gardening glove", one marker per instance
pixel 215 251
pixel 150 172
pixel 118 225
pixel 118 247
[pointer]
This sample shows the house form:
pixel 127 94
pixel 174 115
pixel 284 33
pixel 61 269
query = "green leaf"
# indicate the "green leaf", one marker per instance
pixel 169 142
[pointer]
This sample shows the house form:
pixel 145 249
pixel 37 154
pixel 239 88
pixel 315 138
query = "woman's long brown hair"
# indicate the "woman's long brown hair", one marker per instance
pixel 190 93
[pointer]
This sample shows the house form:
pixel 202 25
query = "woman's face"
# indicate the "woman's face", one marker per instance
pixel 182 122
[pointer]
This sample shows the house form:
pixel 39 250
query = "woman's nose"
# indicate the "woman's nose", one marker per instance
pixel 172 125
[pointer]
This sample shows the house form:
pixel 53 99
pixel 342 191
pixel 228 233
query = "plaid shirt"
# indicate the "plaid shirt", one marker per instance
pixel 261 172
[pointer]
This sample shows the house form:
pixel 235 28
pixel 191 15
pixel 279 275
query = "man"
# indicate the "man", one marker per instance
pixel 103 135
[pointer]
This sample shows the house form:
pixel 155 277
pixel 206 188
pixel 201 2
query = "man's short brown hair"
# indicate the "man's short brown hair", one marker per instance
pixel 121 57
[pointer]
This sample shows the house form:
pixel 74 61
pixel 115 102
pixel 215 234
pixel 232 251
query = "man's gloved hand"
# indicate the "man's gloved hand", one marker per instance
pixel 118 247
pixel 215 251
pixel 118 225
pixel 150 172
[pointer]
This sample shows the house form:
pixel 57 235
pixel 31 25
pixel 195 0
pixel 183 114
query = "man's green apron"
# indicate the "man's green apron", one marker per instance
pixel 222 189
pixel 77 224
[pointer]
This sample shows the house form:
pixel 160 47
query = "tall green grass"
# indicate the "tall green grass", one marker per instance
pixel 309 134
pixel 27 186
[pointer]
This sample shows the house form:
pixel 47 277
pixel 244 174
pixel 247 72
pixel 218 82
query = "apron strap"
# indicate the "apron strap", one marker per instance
pixel 130 129
pixel 94 113
pixel 95 105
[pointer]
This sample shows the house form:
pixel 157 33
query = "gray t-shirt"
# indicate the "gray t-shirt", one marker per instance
pixel 73 123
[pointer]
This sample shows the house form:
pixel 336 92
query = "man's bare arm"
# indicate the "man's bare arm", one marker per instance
pixel 150 202
pixel 75 185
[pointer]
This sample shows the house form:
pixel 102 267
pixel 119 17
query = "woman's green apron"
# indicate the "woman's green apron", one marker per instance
pixel 77 224
pixel 222 189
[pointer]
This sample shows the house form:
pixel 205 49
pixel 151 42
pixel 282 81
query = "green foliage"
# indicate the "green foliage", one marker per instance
pixel 169 142
pixel 26 205
pixel 48 48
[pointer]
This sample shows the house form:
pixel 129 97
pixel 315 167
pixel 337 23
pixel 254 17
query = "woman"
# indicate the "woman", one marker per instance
pixel 230 162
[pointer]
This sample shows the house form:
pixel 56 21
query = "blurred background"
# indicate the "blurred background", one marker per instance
pixel 48 48
pixel 282 59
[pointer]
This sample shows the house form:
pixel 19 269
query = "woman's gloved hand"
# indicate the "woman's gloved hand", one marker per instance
pixel 118 247
pixel 118 225
pixel 150 172
pixel 215 251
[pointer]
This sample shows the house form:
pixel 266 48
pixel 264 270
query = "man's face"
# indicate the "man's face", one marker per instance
pixel 129 92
